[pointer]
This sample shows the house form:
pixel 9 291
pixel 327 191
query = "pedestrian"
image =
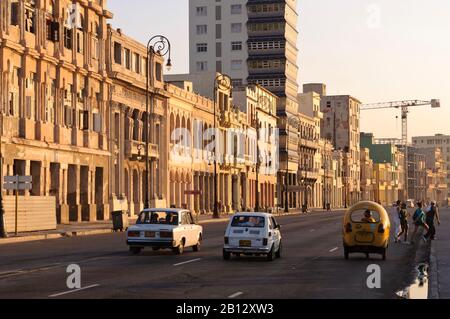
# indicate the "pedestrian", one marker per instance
pixel 419 220
pixel 432 214
pixel 403 216
pixel 396 220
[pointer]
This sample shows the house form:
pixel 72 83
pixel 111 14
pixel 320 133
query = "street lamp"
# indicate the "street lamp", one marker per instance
pixel 157 45
pixel 139 155
pixel 222 82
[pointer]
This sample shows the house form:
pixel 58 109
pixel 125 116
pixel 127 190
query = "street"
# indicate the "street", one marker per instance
pixel 312 266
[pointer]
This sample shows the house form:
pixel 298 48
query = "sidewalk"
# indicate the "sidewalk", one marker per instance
pixel 440 259
pixel 105 227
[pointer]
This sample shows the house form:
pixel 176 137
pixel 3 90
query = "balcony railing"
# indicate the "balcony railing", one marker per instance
pixel 132 149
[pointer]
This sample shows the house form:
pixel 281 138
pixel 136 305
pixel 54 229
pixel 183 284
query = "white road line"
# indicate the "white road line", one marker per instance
pixel 235 295
pixel 334 249
pixel 187 262
pixel 10 272
pixel 72 291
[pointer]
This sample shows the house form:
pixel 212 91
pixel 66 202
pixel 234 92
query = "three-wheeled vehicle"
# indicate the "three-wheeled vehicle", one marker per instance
pixel 366 229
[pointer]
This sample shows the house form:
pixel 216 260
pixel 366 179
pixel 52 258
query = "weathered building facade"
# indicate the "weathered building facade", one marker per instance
pixel 54 91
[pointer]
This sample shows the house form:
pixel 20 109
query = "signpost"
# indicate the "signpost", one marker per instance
pixel 17 183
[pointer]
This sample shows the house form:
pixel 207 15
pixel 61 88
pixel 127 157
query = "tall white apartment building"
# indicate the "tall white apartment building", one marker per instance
pixel 254 42
pixel 218 38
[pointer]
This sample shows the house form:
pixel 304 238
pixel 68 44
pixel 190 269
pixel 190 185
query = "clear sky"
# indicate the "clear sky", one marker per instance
pixel 374 50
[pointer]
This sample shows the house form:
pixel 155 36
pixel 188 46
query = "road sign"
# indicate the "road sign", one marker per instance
pixel 18 179
pixel 193 192
pixel 17 183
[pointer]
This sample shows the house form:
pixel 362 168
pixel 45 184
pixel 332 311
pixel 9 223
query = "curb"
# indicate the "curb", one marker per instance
pixel 434 274
pixel 15 240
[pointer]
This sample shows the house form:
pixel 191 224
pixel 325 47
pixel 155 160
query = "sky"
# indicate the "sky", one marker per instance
pixel 376 51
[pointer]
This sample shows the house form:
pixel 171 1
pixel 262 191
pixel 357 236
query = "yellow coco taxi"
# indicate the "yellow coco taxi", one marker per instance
pixel 366 229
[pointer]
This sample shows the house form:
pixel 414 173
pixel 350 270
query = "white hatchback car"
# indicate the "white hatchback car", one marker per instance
pixel 253 234
pixel 164 229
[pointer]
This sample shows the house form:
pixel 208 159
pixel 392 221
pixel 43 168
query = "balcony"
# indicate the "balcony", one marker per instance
pixel 132 151
pixel 309 143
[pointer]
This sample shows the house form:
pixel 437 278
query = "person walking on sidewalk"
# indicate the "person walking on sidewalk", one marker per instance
pixel 403 216
pixel 432 214
pixel 395 216
pixel 419 220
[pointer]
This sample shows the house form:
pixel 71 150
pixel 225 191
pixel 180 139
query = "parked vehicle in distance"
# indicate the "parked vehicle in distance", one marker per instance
pixel 366 229
pixel 164 229
pixel 253 234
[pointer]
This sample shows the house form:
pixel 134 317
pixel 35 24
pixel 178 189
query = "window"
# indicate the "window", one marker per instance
pixel 236 9
pixel 202 47
pixel 201 11
pixel 30 16
pixel 236 64
pixel 237 82
pixel 236 27
pixel 95 49
pixel 68 38
pixel 202 29
pixel 248 221
pixel 236 46
pixel 127 56
pixel 80 42
pixel 158 72
pixel 52 29
pixel 137 63
pixel 202 66
pixel 218 12
pixel 15 12
pixel 158 218
pixel 117 53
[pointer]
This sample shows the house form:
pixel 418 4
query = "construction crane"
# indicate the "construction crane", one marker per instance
pixel 405 107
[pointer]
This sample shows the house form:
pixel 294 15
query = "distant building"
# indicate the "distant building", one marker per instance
pixel 437 141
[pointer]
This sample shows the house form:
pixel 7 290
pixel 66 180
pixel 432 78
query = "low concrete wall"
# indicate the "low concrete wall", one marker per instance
pixel 35 213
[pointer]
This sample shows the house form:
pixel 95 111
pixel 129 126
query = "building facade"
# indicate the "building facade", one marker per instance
pixel 437 141
pixel 341 125
pixel 54 93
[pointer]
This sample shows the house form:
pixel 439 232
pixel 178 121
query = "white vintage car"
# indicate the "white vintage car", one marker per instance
pixel 164 229
pixel 253 234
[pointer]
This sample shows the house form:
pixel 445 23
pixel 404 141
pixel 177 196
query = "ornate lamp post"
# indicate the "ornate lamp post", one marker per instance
pixel 222 82
pixel 158 45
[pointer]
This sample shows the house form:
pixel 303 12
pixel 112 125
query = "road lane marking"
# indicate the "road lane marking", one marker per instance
pixel 334 249
pixel 312 230
pixel 72 291
pixel 235 295
pixel 187 262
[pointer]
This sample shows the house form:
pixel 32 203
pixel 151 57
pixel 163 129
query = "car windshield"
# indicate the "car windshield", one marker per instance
pixel 248 221
pixel 158 218
pixel 365 216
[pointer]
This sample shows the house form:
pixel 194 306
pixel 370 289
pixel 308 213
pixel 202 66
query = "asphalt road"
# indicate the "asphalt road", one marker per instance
pixel 312 266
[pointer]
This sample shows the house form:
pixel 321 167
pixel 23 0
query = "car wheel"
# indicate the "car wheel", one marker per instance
pixel 226 255
pixel 135 250
pixel 279 250
pixel 272 254
pixel 346 253
pixel 196 247
pixel 384 253
pixel 180 249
